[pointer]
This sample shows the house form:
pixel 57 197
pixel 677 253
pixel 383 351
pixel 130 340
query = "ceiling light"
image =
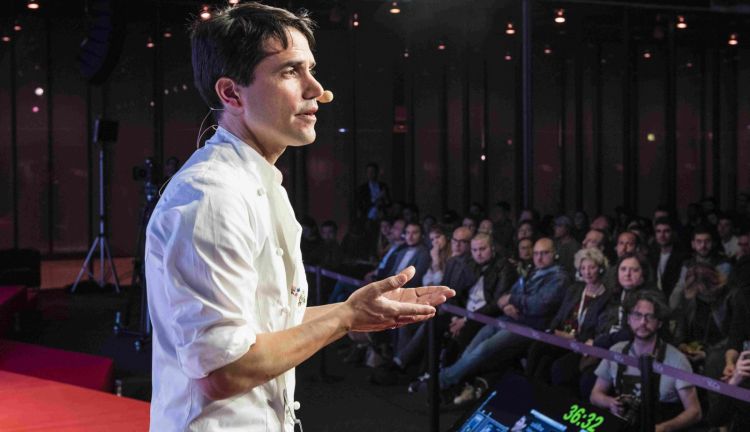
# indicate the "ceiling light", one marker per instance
pixel 406 53
pixel 647 54
pixel 233 2
pixel 681 23
pixel 547 50
pixel 17 27
pixel 560 16
pixel 441 46
pixel 5 38
pixel 205 13
pixel 508 57
pixel 32 4
pixel 394 8
pixel 355 20
pixel 39 91
pixel 509 30
pixel 149 42
pixel 733 39
pixel 167 33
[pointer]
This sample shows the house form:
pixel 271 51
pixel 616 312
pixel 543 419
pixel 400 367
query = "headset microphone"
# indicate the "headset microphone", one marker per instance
pixel 326 97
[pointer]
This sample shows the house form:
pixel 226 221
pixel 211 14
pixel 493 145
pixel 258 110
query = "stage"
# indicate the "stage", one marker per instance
pixel 33 404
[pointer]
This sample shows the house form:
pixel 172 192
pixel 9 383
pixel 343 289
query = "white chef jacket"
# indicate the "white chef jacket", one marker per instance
pixel 223 263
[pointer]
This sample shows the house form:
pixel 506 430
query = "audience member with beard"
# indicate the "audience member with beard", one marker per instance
pixel 618 387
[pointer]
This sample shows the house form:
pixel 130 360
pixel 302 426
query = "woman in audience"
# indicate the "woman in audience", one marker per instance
pixel 526 229
pixel 440 251
pixel 579 317
pixel 632 275
pixel 523 259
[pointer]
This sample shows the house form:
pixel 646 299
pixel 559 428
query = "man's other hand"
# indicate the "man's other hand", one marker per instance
pixel 385 304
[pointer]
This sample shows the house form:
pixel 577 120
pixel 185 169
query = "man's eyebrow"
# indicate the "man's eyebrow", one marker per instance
pixel 295 64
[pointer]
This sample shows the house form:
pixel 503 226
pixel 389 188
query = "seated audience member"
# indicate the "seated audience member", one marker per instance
pixel 632 277
pixel 603 223
pixel 579 317
pixel 471 223
pixel 440 251
pixel 529 214
pixel 596 238
pixel 627 243
pixel 310 239
pixel 666 257
pixel 743 245
pixel 410 213
pixel 485 227
pixel 526 229
pixel 427 223
pixel 458 273
pixel 493 277
pixel 383 239
pixel 532 301
pixel 411 253
pixel 725 230
pixel 355 247
pixel 342 290
pixel 732 413
pixel 502 228
pixel 708 308
pixel 580 225
pixel 618 387
pixel 523 260
pixel 328 252
pixel 703 252
pixel 565 244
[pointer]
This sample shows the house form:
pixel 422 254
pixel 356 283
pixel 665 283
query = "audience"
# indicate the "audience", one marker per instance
pixel 619 307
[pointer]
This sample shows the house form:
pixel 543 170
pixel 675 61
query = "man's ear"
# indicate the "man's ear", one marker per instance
pixel 228 93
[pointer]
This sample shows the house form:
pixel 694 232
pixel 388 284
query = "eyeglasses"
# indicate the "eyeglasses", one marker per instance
pixel 544 252
pixel 637 316
pixel 459 240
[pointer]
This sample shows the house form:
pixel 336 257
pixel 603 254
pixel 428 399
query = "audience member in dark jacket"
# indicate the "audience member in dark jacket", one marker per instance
pixel 580 316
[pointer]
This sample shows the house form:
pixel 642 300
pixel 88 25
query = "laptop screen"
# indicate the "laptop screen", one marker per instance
pixel 516 404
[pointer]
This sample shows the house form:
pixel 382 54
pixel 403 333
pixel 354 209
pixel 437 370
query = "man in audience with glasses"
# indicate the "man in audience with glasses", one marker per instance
pixel 618 387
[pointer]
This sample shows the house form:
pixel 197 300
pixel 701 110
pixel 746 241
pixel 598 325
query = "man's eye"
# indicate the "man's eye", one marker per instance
pixel 313 72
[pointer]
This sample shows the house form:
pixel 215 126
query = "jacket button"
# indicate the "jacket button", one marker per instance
pixel 279 252
pixel 261 191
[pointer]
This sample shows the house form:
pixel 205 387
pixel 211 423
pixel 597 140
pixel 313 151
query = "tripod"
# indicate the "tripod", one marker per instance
pixel 100 241
pixel 122 320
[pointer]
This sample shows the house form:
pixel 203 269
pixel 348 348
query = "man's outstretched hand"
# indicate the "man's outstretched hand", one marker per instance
pixel 385 304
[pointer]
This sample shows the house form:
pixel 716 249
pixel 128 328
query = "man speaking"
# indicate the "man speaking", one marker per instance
pixel 226 284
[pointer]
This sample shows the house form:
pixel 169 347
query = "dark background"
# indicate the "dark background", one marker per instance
pixel 426 119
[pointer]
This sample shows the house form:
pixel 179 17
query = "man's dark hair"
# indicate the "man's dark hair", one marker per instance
pixel 664 221
pixel 656 298
pixel 373 165
pixel 703 229
pixel 232 42
pixel 416 224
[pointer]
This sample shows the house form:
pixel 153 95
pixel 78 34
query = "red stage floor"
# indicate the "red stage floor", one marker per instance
pixel 33 404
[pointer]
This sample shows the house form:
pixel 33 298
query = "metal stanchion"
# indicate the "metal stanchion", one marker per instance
pixel 318 302
pixel 433 387
pixel 648 392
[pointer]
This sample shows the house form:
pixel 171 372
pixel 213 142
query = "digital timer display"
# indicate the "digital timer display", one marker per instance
pixel 579 417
